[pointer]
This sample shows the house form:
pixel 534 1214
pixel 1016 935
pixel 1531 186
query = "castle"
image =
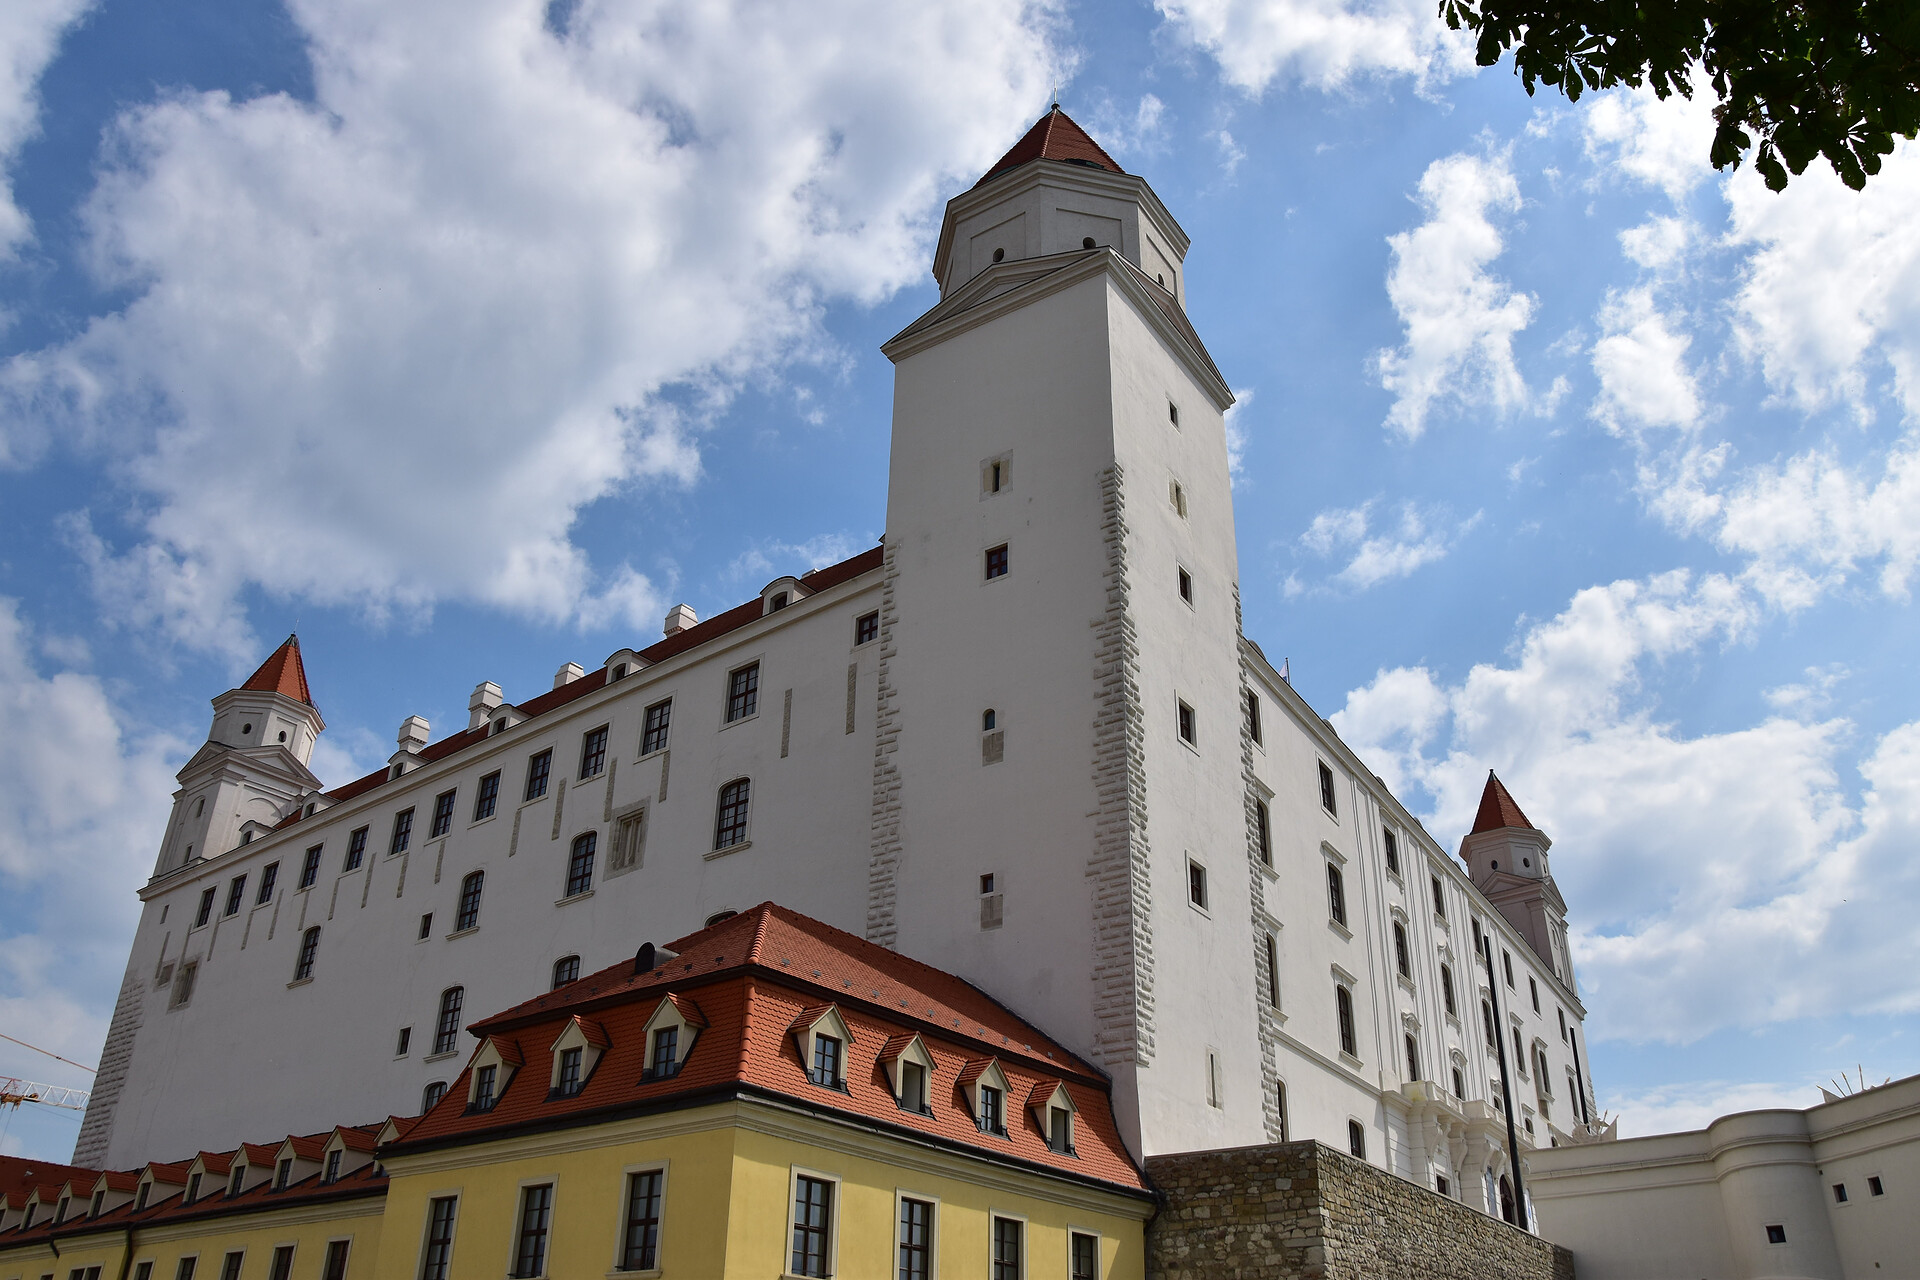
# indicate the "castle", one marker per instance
pixel 1022 740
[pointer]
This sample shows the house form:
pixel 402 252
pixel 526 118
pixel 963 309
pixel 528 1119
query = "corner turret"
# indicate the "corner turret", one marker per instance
pixel 1507 858
pixel 252 772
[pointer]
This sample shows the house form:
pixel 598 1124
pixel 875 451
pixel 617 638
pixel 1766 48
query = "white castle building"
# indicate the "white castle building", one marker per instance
pixel 1023 740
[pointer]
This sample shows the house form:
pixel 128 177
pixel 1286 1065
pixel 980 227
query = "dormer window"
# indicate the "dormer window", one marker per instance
pixel 1060 1131
pixel 913 1087
pixel 779 601
pixel 665 1061
pixel 568 1083
pixel 986 1089
pixel 825 1071
pixel 237 1181
pixel 281 1173
pixel 483 1082
pixel 575 1053
pixel 333 1166
pixel 669 1036
pixel 909 1068
pixel 1054 1112
pixel 992 1118
pixel 193 1188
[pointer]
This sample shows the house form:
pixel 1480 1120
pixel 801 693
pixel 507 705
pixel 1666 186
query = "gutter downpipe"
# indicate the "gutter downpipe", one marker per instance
pixel 1506 1085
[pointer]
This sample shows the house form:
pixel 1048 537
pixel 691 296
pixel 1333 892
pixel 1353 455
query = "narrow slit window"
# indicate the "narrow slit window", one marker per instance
pixel 1343 1011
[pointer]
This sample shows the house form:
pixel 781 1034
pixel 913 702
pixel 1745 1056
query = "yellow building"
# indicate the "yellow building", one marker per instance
pixel 768 1097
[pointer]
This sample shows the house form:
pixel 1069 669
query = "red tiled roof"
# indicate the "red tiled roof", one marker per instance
pixel 758 975
pixel 283 673
pixel 364 1181
pixel 217 1161
pixel 1497 808
pixel 173 1174
pixel 1053 137
pixel 123 1180
pixel 357 1138
pixel 18 1176
pixel 308 1146
pixel 895 1046
pixel 815 581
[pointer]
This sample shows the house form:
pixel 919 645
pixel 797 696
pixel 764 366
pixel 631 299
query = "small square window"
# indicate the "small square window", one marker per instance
pixel 1776 1234
pixel 1839 1193
pixel 1186 586
pixel 1189 730
pixel 1196 884
pixel 866 628
pixel 1173 413
pixel 1873 1186
pixel 997 562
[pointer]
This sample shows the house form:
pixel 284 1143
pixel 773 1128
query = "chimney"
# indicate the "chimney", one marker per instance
pixel 485 701
pixel 568 674
pixel 680 618
pixel 413 735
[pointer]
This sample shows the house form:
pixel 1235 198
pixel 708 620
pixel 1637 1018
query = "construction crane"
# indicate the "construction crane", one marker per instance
pixel 14 1091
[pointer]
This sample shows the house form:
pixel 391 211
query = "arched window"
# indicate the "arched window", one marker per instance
pixel 309 948
pixel 1507 1213
pixel 580 863
pixel 1343 1007
pixel 431 1095
pixel 718 916
pixel 566 969
pixel 730 814
pixel 446 1028
pixel 1401 960
pixel 468 916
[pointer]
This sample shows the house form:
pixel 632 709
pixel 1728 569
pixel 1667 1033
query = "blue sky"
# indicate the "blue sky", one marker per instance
pixel 1559 453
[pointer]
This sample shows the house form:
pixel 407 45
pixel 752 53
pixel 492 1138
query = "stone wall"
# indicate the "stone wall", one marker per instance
pixel 1303 1211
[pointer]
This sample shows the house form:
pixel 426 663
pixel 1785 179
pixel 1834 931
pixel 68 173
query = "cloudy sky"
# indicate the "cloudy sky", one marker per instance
pixel 466 337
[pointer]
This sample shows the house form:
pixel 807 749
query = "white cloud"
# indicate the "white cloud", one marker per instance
pixel 1695 1105
pixel 1715 879
pixel 1231 152
pixel 1406 543
pixel 1831 288
pixel 84 800
pixel 1130 135
pixel 1640 359
pixel 1237 434
pixel 1324 43
pixel 30 32
pixel 765 561
pixel 1666 144
pixel 1657 243
pixel 1460 319
pixel 518 270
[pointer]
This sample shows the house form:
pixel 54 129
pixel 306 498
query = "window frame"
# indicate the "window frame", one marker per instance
pixel 829 1230
pixel 541 1236
pixel 1329 798
pixel 280 1264
pixel 269 881
pixel 539 776
pixel 999 562
pixel 582 856
pixel 402 838
pixel 310 867
pixel 996 1269
pixel 1263 831
pixel 209 898
pixel 447 1039
pixel 1187 724
pixel 593 753
pixel 344 1252
pixel 930 1250
pixel 236 896
pixel 862 633
pixel 738 826
pixel 443 808
pixel 623 1251
pixel 356 848
pixel 442 1268
pixel 1336 895
pixel 573 973
pixel 1402 950
pixel 1390 847
pixel 473 887
pixel 1197 880
pixel 309 953
pixel 742 700
pixel 486 797
pixel 1346 1020
pixel 1356 1139
pixel 650 727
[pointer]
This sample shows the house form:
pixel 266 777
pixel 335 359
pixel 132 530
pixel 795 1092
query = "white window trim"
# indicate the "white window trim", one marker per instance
pixel 1099 1247
pixel 655 699
pixel 426 1227
pixel 726 686
pixel 1026 1237
pixel 519 1212
pixel 794 1174
pixel 661 1167
pixel 933 1231
pixel 1206 880
pixel 1181 704
pixel 574 1036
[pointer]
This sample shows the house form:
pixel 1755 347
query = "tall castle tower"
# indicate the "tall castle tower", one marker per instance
pixel 1507 857
pixel 1061 567
pixel 253 766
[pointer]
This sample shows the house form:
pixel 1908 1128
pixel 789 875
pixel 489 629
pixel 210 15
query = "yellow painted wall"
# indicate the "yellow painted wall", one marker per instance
pixel 256 1234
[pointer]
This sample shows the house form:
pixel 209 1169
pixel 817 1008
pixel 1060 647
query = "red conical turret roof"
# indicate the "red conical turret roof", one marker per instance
pixel 1054 137
pixel 1497 808
pixel 283 673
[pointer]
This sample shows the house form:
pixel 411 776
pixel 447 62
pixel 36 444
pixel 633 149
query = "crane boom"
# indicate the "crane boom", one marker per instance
pixel 14 1091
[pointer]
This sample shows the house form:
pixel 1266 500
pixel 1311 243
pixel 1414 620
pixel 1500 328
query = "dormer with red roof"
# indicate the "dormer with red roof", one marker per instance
pixel 1507 857
pixel 1058 192
pixel 252 772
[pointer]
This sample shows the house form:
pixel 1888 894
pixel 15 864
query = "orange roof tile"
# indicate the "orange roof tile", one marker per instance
pixel 283 673
pixel 1054 136
pixel 1497 808
pixel 19 1176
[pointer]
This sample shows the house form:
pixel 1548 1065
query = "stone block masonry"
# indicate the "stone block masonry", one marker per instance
pixel 1303 1211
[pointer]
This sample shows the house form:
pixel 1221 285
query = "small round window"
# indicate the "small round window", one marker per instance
pixel 1087 243
pixel 999 255
pixel 245 729
pixel 283 735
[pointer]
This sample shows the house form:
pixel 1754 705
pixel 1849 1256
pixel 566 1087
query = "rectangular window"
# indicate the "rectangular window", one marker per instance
pixel 356 848
pixel 230 1266
pixel 666 1050
pixel 1196 884
pixel 439 1252
pixel 1439 899
pixel 997 562
pixel 1084 1257
pixel 730 814
pixel 1875 1187
pixel 143 1272
pixel 1326 791
pixel 205 913
pixel 653 732
pixel 593 752
pixel 1253 716
pixel 402 832
pixel 184 1271
pixel 236 1180
pixel 446 1031
pixel 1263 832
pixel 336 1264
pixel 404 1040
pixel 1391 844
pixel 743 692
pixel 332 1171
pixel 442 815
pixel 568 1082
pixel 487 797
pixel 580 863
pixel 310 868
pixel 467 916
pixel 1186 586
pixel 536 1216
pixel 281 1173
pixel 1007 1244
pixel 1519 1053
pixel 269 877
pixel 913 1088
pixel 826 1062
pixel 866 628
pixel 1402 961
pixel 812 1218
pixel 282 1268
pixel 1213 1078
pixel 483 1082
pixel 1563 1022
pixel 1413 1058
pixel 1446 990
pixel 1336 895
pixel 193 1189
pixel 642 1251
pixel 993 1112
pixel 1280 1104
pixel 1273 970
pixel 1534 988
pixel 1343 1011
pixel 916 1239
pixel 539 769
pixel 1506 961
pixel 1189 730
pixel 236 896
pixel 1776 1234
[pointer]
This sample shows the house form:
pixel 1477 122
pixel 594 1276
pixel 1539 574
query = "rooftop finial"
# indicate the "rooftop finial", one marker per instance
pixel 1054 97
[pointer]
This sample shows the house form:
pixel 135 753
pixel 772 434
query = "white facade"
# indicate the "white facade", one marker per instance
pixel 1825 1194
pixel 1054 414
